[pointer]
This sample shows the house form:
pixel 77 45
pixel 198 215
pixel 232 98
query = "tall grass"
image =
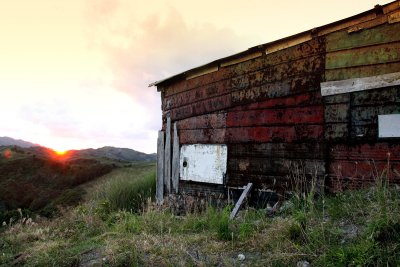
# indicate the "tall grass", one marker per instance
pixel 352 228
pixel 128 190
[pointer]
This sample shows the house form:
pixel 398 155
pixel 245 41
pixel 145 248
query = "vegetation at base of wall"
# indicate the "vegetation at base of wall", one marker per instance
pixel 352 228
pixel 129 189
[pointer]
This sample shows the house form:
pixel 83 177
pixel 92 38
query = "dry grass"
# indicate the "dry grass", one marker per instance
pixel 352 228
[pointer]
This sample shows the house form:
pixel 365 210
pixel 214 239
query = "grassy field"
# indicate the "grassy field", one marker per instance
pixel 118 225
pixel 34 182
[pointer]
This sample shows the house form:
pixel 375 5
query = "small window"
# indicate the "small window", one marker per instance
pixel 203 163
pixel 389 125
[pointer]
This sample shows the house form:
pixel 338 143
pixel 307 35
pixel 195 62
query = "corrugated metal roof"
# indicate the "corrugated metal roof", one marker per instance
pixel 284 42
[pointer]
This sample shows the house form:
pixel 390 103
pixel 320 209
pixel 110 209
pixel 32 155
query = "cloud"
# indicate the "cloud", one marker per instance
pixel 138 51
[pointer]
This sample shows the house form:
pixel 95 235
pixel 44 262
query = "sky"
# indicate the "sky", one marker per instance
pixel 75 74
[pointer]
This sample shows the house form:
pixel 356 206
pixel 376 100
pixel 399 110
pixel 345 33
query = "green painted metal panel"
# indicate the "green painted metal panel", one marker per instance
pixel 361 71
pixel 383 53
pixel 382 34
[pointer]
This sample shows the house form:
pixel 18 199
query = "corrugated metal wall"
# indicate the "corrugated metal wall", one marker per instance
pixel 356 154
pixel 270 112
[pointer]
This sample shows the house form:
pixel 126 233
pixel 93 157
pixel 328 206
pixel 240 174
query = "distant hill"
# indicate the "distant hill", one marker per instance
pixel 38 179
pixel 8 141
pixel 115 153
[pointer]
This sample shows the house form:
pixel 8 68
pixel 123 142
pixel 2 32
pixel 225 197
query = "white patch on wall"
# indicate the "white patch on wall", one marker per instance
pixel 203 163
pixel 360 84
pixel 389 125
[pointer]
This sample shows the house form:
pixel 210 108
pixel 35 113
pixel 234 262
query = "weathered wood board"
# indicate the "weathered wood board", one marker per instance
pixel 167 157
pixel 160 168
pixel 240 201
pixel 175 161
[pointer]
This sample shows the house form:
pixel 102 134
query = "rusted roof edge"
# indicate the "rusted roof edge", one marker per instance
pixel 262 47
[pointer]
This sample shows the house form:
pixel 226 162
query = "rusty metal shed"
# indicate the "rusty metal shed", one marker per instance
pixel 327 99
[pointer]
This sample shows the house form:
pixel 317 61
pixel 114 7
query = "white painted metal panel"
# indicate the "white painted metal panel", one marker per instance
pixel 389 125
pixel 203 163
pixel 360 84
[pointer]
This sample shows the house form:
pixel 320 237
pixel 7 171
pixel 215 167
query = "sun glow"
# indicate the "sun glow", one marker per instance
pixel 60 152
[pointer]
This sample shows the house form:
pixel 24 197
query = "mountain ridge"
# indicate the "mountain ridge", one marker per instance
pixel 8 141
pixel 114 153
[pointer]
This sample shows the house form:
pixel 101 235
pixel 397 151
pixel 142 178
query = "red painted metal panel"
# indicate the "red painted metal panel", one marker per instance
pixel 297 52
pixel 300 115
pixel 366 170
pixel 203 80
pixel 274 134
pixel 311 98
pixel 299 68
pixel 215 120
pixel 202 136
pixel 304 50
pixel 287 87
pixel 377 152
pixel 195 95
pixel 201 107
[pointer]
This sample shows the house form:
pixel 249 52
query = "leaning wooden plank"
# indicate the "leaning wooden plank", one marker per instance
pixel 160 168
pixel 240 201
pixel 175 161
pixel 360 84
pixel 167 157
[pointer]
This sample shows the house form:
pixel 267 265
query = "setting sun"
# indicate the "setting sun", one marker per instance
pixel 60 152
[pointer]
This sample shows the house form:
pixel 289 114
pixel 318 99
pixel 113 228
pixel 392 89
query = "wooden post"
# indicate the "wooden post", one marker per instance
pixel 167 157
pixel 160 168
pixel 239 203
pixel 175 161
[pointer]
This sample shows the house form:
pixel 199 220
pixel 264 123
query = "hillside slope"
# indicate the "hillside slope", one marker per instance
pixel 33 178
pixel 8 141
